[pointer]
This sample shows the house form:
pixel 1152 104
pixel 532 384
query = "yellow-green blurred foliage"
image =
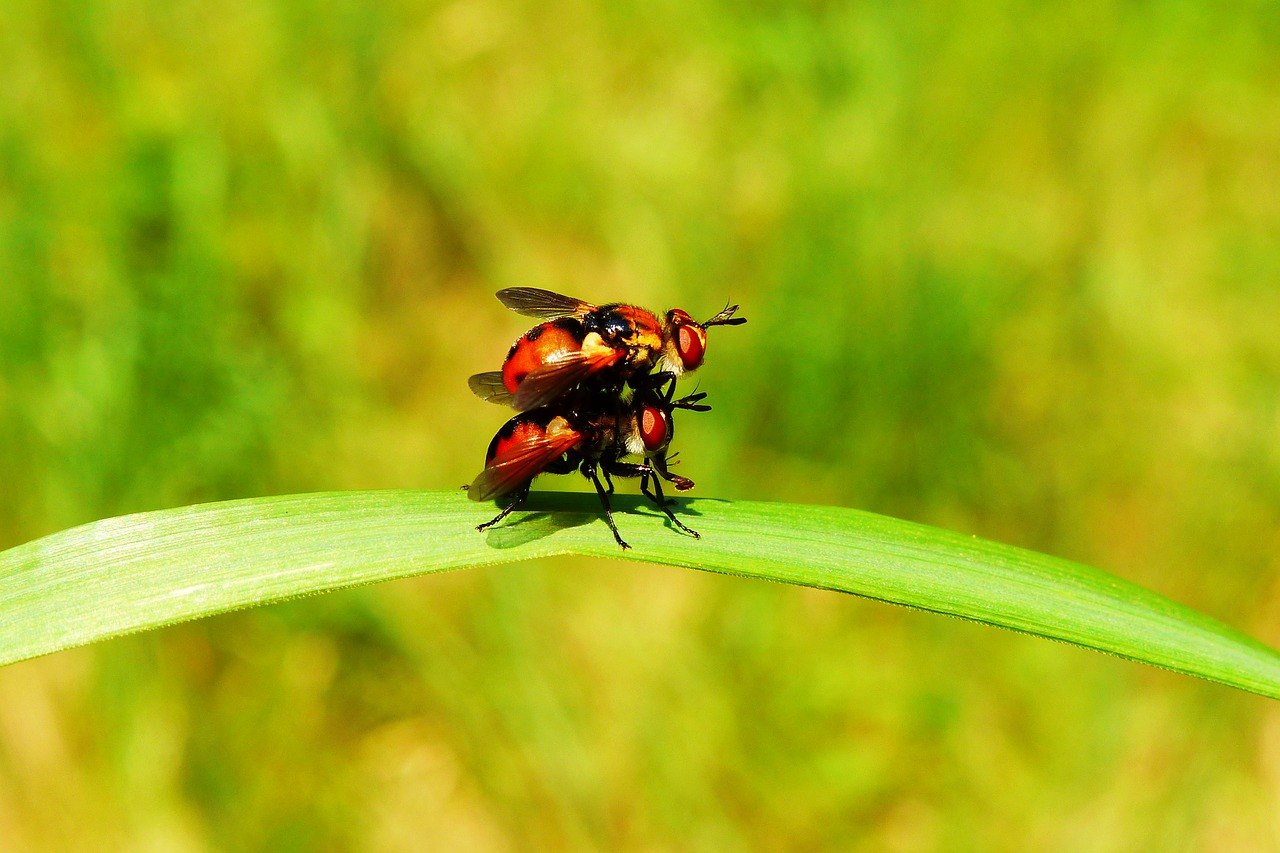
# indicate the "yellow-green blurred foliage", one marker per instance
pixel 1011 268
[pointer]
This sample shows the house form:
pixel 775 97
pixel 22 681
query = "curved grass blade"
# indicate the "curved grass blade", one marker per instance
pixel 142 571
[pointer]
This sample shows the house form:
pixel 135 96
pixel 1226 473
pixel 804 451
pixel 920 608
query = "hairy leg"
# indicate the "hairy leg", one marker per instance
pixel 589 471
pixel 517 497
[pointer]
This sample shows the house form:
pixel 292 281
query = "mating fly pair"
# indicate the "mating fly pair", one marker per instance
pixel 589 382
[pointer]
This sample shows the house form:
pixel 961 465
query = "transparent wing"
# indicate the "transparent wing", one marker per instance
pixel 534 302
pixel 520 463
pixel 490 387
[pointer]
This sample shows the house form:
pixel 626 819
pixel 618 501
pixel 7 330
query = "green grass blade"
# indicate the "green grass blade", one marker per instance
pixel 142 571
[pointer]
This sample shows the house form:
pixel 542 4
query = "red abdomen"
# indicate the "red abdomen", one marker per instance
pixel 541 344
pixel 521 429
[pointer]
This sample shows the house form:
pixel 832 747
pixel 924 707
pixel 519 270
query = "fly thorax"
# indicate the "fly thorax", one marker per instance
pixel 611 326
pixel 593 341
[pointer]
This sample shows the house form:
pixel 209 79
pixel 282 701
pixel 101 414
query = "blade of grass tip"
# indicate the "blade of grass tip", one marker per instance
pixel 142 571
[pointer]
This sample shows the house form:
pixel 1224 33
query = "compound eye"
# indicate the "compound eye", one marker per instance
pixel 654 429
pixel 691 346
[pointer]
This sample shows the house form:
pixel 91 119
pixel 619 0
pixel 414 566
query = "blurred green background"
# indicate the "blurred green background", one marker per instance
pixel 1011 269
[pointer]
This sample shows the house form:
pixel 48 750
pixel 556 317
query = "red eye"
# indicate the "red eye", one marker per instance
pixel 691 345
pixel 653 427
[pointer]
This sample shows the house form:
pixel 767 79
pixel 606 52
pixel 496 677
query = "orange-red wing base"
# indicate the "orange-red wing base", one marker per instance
pixel 541 386
pixel 490 387
pixel 519 463
pixel 535 302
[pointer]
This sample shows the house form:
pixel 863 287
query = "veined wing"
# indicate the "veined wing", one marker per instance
pixel 543 304
pixel 489 386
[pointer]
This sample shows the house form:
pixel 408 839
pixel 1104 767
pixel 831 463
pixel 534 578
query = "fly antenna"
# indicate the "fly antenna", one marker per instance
pixel 726 318
pixel 693 403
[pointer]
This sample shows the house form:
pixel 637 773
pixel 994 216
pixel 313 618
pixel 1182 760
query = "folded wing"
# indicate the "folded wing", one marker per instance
pixel 520 462
pixel 549 382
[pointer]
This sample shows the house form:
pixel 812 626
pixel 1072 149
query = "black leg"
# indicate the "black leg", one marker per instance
pixel 661 501
pixel 607 479
pixel 653 380
pixel 649 474
pixel 624 469
pixel 670 391
pixel 589 470
pixel 518 497
pixel 659 464
pixel 644 488
pixel 628 469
